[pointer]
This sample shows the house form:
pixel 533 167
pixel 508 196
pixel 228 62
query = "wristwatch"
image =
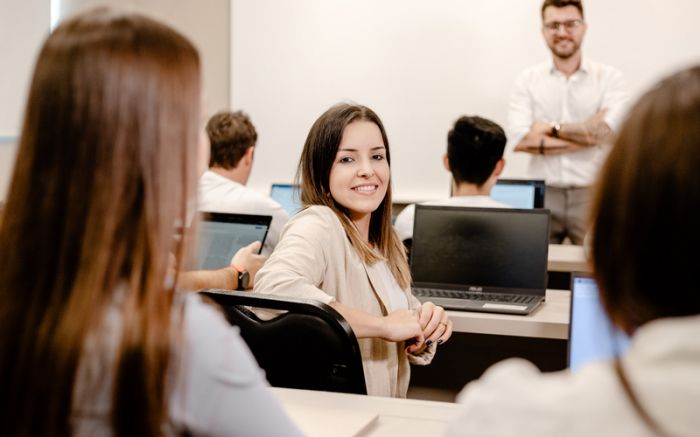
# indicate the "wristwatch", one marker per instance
pixel 556 127
pixel 243 277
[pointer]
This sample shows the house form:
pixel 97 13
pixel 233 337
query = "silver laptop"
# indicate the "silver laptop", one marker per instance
pixel 592 336
pixel 480 259
pixel 287 195
pixel 519 193
pixel 221 235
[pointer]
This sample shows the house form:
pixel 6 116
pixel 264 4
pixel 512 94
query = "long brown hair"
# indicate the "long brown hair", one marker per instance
pixel 645 220
pixel 313 174
pixel 106 165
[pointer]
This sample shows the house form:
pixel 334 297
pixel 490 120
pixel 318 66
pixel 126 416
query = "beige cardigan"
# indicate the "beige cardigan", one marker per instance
pixel 314 260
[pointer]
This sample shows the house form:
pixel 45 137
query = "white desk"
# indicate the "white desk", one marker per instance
pixel 340 414
pixel 550 320
pixel 567 258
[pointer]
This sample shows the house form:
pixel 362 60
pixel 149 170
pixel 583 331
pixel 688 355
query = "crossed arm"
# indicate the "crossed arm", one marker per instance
pixel 571 136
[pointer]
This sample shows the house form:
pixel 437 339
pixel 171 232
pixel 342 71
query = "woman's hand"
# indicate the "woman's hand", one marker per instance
pixel 436 326
pixel 402 325
pixel 247 257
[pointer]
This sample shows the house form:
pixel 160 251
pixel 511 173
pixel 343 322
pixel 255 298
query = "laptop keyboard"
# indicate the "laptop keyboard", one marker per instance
pixel 488 297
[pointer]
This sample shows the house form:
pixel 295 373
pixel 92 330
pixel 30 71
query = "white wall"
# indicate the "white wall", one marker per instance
pixel 204 22
pixel 24 24
pixel 23 27
pixel 420 65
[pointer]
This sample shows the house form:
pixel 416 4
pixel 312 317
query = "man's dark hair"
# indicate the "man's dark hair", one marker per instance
pixel 474 146
pixel 561 4
pixel 230 134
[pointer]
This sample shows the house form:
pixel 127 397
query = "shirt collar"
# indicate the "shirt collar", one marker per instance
pixel 585 66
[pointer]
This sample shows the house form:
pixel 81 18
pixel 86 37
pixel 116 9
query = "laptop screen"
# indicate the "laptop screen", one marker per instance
pixel 592 337
pixel 287 195
pixel 487 249
pixel 221 235
pixel 517 193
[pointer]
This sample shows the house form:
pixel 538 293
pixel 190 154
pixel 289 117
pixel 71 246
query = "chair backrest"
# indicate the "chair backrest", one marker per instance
pixel 310 346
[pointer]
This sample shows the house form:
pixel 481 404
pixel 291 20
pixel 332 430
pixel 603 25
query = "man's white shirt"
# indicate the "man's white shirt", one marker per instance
pixel 404 221
pixel 220 194
pixel 543 93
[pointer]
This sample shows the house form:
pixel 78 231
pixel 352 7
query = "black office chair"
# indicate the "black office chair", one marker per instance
pixel 311 346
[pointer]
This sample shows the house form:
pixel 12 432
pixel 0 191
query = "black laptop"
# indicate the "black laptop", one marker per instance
pixel 480 259
pixel 221 235
pixel 592 336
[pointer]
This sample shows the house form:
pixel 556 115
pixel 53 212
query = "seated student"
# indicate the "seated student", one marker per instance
pixel 222 188
pixel 475 158
pixel 94 339
pixel 645 238
pixel 343 251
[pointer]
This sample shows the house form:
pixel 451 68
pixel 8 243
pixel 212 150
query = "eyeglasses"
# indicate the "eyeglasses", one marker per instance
pixel 568 25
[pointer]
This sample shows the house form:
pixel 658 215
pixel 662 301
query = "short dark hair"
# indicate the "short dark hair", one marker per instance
pixel 562 4
pixel 645 217
pixel 474 146
pixel 231 134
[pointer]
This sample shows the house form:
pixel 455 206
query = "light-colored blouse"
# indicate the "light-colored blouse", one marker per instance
pixel 217 388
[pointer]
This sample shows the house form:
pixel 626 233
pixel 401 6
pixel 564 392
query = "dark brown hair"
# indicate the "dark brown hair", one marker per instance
pixel 562 4
pixel 645 215
pixel 313 174
pixel 106 165
pixel 474 147
pixel 231 134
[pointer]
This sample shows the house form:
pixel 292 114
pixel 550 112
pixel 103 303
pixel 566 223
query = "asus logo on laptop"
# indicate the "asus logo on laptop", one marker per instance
pixel 476 289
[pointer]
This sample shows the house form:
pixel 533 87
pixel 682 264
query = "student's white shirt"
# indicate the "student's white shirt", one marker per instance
pixel 220 194
pixel 397 297
pixel 404 221
pixel 662 364
pixel 215 386
pixel 543 93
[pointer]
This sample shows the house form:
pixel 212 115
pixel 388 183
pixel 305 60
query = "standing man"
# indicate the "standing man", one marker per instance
pixel 563 113
pixel 222 187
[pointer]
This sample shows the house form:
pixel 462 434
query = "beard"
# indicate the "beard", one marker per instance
pixel 566 52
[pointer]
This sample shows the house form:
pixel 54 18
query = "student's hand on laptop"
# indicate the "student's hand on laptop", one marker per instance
pixel 248 258
pixel 436 326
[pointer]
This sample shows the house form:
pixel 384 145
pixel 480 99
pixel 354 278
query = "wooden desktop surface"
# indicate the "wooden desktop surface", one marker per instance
pixel 567 258
pixel 550 320
pixel 340 414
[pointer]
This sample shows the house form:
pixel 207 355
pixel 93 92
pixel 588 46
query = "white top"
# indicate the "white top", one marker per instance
pixel 397 297
pixel 514 398
pixel 217 387
pixel 543 93
pixel 220 194
pixel 404 221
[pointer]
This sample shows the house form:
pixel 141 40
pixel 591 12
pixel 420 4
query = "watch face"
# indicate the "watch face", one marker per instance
pixel 243 280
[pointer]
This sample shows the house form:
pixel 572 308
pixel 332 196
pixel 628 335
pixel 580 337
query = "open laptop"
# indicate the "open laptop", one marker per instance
pixel 592 336
pixel 480 259
pixel 519 193
pixel 287 195
pixel 221 235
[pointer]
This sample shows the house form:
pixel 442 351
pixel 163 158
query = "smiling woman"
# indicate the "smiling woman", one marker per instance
pixel 342 249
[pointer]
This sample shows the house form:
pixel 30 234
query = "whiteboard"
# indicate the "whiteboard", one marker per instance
pixel 420 65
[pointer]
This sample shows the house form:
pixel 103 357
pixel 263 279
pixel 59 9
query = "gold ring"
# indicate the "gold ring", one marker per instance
pixel 443 324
